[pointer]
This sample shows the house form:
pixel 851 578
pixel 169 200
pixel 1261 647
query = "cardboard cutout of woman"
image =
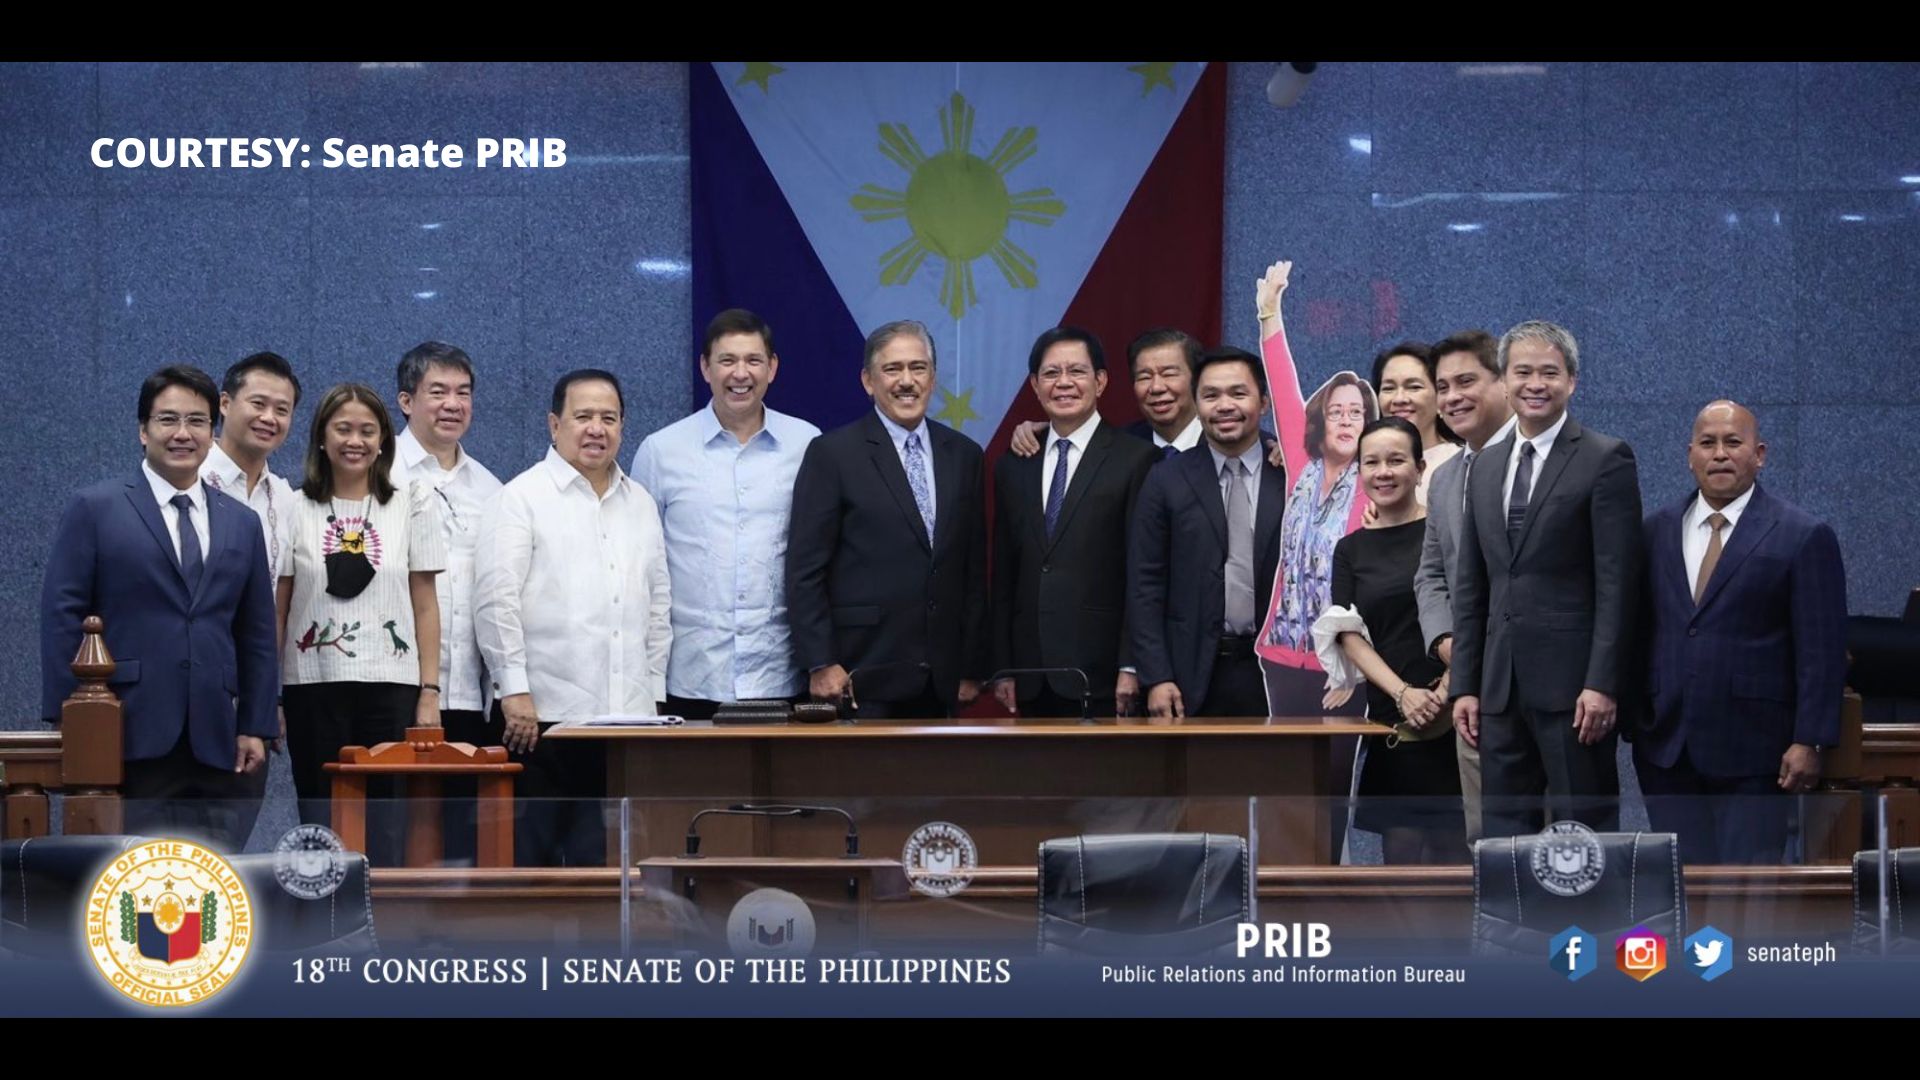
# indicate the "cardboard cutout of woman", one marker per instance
pixel 1320 436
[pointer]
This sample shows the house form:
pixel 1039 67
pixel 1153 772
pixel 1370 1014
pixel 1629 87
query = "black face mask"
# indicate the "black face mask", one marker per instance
pixel 348 574
pixel 348 570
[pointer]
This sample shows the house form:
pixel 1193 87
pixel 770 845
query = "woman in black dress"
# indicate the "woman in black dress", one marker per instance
pixel 1410 785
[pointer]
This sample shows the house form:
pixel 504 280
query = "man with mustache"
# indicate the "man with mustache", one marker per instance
pixel 1059 580
pixel 887 550
pixel 1543 601
pixel 572 610
pixel 1473 402
pixel 1203 550
pixel 1746 612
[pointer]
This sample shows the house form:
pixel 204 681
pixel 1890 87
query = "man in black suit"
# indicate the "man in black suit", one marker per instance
pixel 1203 551
pixel 1059 579
pixel 887 549
pixel 1549 575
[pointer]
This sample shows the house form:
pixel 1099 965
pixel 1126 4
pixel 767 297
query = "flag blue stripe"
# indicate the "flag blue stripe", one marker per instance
pixel 749 251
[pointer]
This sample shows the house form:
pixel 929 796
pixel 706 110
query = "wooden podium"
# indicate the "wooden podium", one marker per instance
pixel 424 759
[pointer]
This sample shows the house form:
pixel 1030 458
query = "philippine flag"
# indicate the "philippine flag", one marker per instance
pixel 988 201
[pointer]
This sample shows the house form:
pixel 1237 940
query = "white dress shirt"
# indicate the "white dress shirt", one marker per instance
pixel 1188 438
pixel 464 493
pixel 899 436
pixel 163 493
pixel 724 506
pixel 273 499
pixel 1696 534
pixel 1542 446
pixel 573 602
pixel 1076 451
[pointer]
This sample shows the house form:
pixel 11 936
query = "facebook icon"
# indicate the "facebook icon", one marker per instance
pixel 1572 953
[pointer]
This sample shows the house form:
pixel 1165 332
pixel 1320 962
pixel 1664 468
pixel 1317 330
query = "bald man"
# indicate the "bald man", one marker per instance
pixel 1746 609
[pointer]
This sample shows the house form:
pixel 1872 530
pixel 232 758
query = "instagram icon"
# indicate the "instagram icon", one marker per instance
pixel 1640 954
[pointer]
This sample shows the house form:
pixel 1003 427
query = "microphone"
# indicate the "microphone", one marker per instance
pixel 771 810
pixel 1086 684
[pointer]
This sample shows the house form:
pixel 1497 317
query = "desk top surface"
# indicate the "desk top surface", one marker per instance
pixel 995 727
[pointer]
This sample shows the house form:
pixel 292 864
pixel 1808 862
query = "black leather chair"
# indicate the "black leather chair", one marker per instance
pixel 1154 894
pixel 1640 885
pixel 1903 901
pixel 1885 664
pixel 44 881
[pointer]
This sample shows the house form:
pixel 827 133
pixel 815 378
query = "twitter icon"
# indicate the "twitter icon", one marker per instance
pixel 1709 953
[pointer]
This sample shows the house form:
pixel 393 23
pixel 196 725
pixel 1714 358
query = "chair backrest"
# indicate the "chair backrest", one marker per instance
pixel 1515 914
pixel 1151 894
pixel 1903 900
pixel 44 882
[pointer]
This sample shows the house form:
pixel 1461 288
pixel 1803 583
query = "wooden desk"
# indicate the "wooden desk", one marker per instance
pixel 1010 783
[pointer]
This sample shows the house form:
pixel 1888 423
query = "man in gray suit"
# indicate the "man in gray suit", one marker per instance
pixel 1473 402
pixel 1543 598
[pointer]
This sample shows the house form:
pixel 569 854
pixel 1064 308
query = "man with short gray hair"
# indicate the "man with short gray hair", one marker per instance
pixel 1549 572
pixel 435 383
pixel 887 549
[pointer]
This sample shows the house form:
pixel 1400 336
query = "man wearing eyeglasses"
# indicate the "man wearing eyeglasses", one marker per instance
pixel 1059 576
pixel 435 382
pixel 178 573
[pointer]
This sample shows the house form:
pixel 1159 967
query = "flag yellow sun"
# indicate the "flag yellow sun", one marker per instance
pixel 958 205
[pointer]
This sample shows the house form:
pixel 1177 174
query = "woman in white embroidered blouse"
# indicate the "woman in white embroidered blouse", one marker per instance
pixel 359 621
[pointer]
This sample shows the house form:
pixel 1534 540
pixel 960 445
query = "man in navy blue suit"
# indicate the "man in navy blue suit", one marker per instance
pixel 1747 606
pixel 178 572
pixel 1203 551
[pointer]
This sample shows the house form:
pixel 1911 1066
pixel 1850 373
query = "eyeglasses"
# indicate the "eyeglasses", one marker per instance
pixel 1357 414
pixel 198 423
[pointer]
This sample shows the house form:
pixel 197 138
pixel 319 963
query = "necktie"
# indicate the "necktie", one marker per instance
pixel 917 480
pixel 1239 550
pixel 1466 477
pixel 1057 491
pixel 191 564
pixel 1168 451
pixel 1716 521
pixel 1517 502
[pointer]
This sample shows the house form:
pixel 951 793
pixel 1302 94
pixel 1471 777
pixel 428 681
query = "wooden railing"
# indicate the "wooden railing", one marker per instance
pixel 80 761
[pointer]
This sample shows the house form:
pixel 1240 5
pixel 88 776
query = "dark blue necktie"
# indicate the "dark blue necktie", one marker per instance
pixel 1057 491
pixel 1168 451
pixel 191 564
pixel 1517 502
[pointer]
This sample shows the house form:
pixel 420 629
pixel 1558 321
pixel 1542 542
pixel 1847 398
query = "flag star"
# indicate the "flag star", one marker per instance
pixel 1154 74
pixel 758 72
pixel 956 410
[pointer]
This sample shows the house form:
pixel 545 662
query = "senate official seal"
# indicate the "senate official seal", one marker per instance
pixel 1568 859
pixel 939 858
pixel 310 862
pixel 169 923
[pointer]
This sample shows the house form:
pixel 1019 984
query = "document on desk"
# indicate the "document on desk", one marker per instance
pixel 621 721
